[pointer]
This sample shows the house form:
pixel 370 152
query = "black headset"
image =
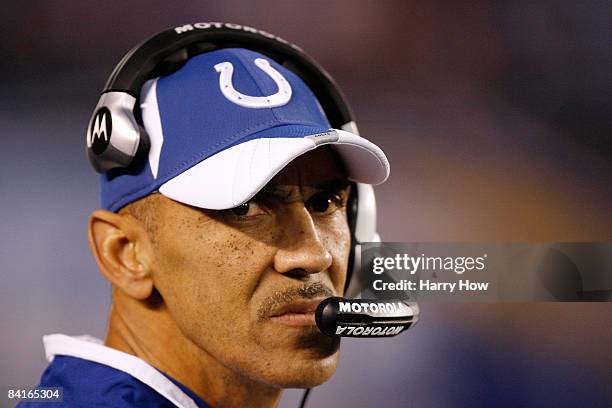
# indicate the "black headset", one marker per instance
pixel 126 141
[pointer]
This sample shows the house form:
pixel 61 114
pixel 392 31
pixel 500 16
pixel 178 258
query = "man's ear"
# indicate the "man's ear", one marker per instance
pixel 122 249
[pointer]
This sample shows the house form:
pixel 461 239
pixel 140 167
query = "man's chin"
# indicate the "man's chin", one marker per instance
pixel 298 358
pixel 305 373
pixel 314 344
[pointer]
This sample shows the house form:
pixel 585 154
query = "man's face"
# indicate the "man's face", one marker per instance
pixel 242 284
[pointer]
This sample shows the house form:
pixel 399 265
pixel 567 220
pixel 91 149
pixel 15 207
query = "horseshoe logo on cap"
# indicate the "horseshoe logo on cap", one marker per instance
pixel 280 98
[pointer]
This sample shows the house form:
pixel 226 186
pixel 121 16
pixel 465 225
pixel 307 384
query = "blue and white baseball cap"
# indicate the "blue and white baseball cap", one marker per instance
pixel 223 125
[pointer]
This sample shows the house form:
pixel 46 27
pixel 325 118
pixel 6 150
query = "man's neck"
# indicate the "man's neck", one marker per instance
pixel 152 335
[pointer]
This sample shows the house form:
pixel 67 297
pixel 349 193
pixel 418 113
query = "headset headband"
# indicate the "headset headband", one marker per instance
pixel 168 50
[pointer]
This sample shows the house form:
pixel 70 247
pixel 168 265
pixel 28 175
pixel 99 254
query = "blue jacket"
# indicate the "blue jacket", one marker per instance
pixel 93 375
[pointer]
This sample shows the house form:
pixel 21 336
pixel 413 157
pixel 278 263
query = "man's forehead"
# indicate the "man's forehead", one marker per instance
pixel 319 168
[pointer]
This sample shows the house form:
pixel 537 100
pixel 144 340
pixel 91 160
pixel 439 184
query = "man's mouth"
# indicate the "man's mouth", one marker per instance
pixel 297 313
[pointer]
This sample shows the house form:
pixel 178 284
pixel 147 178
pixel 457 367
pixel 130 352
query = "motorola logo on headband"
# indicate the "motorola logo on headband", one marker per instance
pixel 205 26
pixel 100 130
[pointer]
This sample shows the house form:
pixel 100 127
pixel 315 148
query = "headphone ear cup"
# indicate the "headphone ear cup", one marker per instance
pixel 351 217
pixel 113 134
pixel 362 221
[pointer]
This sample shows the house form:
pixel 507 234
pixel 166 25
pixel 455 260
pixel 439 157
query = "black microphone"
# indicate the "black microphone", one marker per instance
pixel 336 316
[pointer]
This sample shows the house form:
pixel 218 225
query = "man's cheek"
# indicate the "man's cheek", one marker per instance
pixel 338 242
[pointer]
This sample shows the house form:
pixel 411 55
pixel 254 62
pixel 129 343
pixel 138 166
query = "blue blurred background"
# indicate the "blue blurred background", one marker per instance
pixel 497 120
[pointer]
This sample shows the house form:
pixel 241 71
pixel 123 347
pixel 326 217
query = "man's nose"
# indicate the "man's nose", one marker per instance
pixel 301 250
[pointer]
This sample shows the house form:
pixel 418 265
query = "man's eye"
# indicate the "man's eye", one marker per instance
pixel 248 209
pixel 325 202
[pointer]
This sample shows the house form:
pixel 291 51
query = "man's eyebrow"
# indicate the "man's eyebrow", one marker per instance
pixel 274 191
pixel 333 185
pixel 281 193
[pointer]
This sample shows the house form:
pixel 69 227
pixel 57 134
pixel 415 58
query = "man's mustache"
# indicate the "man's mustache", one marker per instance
pixel 281 298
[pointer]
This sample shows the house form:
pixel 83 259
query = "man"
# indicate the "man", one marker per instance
pixel 220 246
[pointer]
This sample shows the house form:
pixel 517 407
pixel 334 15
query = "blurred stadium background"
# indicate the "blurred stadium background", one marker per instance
pixel 496 117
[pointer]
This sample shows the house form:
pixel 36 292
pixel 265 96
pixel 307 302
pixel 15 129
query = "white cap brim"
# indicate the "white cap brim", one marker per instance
pixel 234 175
